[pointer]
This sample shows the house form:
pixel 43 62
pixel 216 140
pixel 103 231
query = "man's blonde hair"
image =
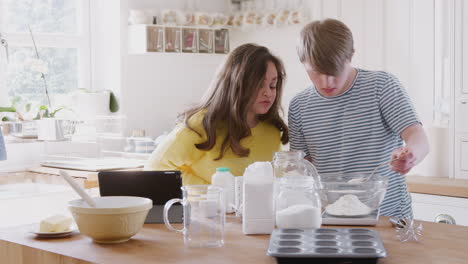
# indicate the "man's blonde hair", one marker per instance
pixel 326 45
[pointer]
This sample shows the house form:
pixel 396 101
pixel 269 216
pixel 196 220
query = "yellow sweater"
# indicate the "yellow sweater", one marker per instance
pixel 178 152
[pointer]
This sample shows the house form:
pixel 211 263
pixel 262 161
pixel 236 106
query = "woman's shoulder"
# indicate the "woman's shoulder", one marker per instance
pixel 196 120
pixel 196 126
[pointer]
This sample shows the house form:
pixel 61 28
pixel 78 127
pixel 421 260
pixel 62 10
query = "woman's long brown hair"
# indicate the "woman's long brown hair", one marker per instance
pixel 232 94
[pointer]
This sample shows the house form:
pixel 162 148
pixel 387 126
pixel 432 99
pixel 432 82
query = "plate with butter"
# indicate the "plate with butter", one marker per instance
pixel 54 226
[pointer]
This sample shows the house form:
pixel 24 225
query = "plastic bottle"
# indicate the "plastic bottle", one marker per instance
pixel 223 178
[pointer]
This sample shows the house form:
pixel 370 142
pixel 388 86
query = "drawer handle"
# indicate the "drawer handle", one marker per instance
pixel 445 219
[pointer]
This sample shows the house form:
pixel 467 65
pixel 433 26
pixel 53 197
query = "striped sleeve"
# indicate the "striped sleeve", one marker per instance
pixel 396 106
pixel 296 135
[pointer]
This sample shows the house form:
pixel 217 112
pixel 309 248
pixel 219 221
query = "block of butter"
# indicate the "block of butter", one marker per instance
pixel 55 223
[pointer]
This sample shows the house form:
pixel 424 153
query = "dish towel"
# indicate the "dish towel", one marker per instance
pixel 2 147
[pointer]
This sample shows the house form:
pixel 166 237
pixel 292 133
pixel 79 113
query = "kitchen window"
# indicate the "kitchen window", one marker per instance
pixel 62 36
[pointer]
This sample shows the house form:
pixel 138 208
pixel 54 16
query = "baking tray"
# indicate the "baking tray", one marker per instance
pixel 360 245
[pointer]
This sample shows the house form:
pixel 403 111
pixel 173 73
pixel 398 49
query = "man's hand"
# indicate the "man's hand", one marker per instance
pixel 415 149
pixel 403 160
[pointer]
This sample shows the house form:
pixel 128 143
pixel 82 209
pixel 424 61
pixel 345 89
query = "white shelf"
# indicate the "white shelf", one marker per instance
pixel 144 39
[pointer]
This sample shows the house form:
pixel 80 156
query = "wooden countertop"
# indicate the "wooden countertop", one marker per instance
pixel 43 177
pixel 440 243
pixel 438 186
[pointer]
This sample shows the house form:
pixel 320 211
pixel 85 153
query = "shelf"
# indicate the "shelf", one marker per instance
pixel 177 39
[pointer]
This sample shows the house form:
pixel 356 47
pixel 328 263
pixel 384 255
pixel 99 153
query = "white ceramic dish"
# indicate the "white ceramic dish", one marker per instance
pixel 35 230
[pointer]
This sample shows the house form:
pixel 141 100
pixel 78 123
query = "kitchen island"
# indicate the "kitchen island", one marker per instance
pixel 440 243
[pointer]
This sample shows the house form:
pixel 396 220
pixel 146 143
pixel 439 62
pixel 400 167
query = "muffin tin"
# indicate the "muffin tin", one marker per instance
pixel 326 243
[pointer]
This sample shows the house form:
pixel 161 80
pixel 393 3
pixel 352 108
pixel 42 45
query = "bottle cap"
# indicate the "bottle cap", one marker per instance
pixel 222 169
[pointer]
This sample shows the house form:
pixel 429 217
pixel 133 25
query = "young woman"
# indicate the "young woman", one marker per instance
pixel 237 123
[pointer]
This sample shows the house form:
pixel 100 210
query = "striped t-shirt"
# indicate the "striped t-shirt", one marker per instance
pixel 356 131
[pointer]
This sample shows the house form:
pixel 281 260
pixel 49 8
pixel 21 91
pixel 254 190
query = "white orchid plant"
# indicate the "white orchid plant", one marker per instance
pixel 40 66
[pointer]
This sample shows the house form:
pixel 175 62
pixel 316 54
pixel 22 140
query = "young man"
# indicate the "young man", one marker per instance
pixel 351 120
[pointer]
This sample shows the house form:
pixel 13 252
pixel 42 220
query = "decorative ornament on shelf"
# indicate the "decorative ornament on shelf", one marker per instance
pixel 241 14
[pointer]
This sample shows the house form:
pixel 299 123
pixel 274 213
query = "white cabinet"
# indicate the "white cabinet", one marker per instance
pixel 427 207
pixel 460 91
pixel 464 156
pixel 463 108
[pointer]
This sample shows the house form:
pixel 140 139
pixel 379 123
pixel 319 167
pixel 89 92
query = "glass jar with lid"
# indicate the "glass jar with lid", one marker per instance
pixel 292 163
pixel 298 203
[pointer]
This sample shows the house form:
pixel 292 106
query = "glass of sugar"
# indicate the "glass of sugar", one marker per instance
pixel 298 203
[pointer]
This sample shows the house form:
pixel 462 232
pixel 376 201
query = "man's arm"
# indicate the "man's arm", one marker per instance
pixel 415 150
pixel 296 136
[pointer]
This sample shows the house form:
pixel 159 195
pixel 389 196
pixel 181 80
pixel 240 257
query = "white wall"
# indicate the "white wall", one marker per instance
pixel 105 45
pixel 157 87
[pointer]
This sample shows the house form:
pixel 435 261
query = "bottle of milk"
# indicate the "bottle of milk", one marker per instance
pixel 223 178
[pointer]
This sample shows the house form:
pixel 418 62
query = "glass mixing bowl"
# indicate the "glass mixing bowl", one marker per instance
pixel 342 197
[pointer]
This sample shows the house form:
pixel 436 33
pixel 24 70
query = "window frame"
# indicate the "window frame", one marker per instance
pixel 80 41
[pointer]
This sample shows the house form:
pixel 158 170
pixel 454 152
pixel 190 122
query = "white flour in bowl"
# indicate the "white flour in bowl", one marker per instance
pixel 348 205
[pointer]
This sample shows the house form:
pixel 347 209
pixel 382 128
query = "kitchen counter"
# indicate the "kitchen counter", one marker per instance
pixel 438 186
pixel 47 176
pixel 155 244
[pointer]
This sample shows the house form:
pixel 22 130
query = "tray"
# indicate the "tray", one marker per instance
pixel 326 243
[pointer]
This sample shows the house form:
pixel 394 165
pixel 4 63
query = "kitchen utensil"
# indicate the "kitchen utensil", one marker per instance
pixel 204 215
pixel 410 231
pixel 397 222
pixel 115 219
pixel 326 243
pixel 81 192
pixel 364 179
pixel 345 199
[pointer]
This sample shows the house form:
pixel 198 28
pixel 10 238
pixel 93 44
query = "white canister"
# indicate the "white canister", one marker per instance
pixel 50 129
pixel 223 178
pixel 258 213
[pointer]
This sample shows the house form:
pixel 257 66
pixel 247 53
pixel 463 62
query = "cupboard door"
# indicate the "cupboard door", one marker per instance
pixel 427 207
pixel 464 155
pixel 464 27
pixel 463 112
